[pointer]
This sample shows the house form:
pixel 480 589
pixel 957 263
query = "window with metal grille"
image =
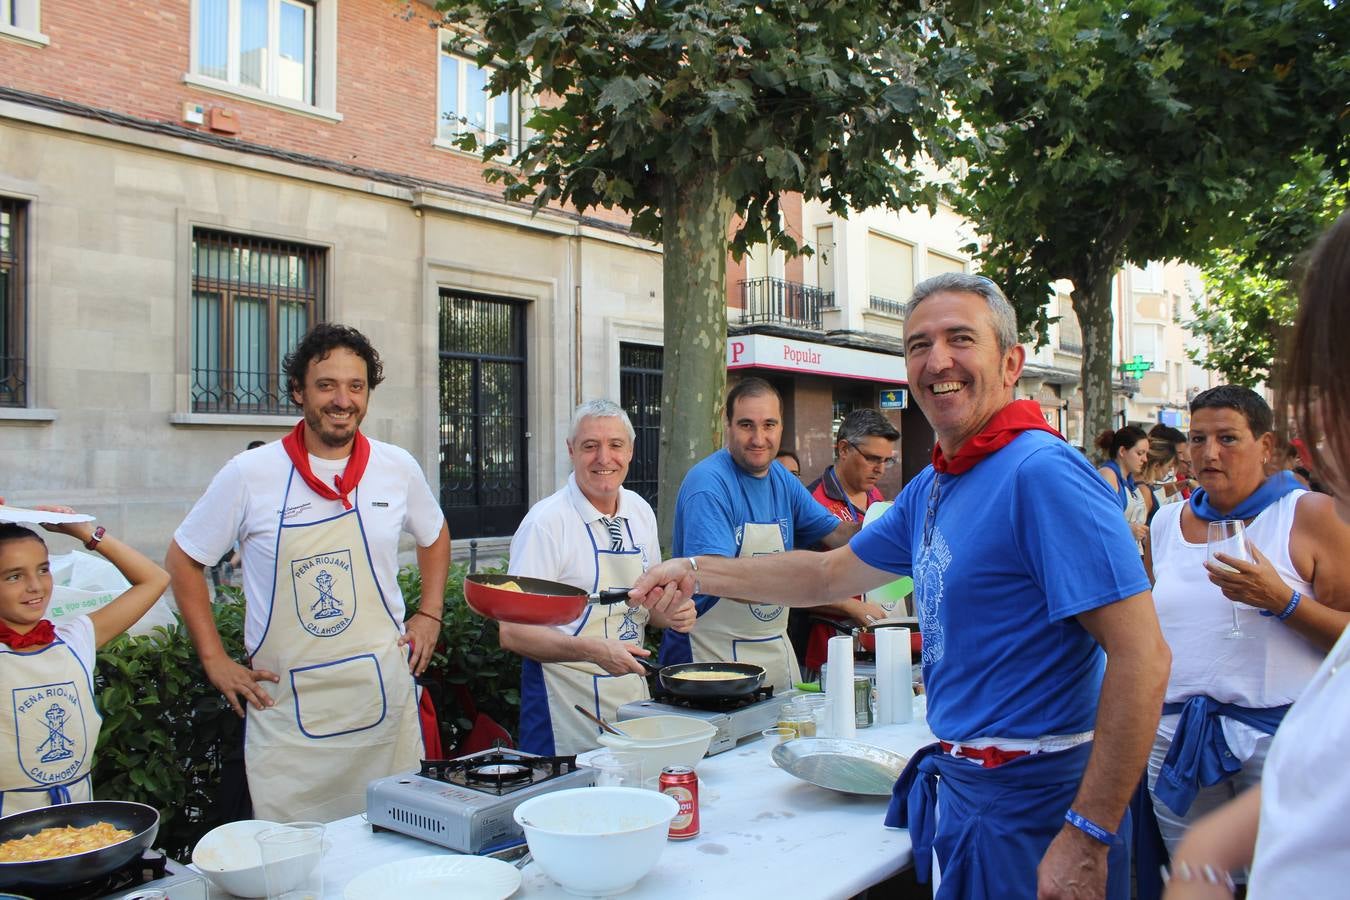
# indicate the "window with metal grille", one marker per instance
pixel 640 396
pixel 252 301
pixel 13 303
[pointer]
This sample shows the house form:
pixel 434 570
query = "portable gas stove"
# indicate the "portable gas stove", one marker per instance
pixel 466 804
pixel 735 718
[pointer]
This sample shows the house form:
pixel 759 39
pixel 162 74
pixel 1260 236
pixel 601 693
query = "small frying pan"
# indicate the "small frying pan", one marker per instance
pixel 538 602
pixel 747 678
pixel 141 820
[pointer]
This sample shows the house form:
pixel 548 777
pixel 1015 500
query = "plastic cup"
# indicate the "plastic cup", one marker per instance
pixel 290 859
pixel 617 769
pixel 774 736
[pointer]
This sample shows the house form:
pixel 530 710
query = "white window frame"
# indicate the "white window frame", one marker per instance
pixel 21 21
pixel 320 51
pixel 515 109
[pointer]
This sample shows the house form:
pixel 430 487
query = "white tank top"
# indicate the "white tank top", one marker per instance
pixel 1274 664
pixel 1301 848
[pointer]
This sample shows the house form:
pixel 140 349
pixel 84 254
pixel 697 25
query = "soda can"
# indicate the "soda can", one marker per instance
pixel 681 783
pixel 862 701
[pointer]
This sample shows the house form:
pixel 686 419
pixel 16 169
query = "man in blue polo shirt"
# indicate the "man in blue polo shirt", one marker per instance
pixel 740 502
pixel 1043 659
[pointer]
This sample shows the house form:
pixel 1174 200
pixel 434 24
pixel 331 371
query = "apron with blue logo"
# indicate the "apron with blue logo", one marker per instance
pixel 754 633
pixel 344 711
pixel 585 683
pixel 49 717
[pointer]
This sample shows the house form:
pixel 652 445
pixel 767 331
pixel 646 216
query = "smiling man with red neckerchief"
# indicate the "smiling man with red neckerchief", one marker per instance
pixel 1043 659
pixel 317 515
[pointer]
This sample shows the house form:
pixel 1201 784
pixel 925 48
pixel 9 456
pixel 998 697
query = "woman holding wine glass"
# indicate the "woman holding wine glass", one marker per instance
pixel 1290 829
pixel 1243 572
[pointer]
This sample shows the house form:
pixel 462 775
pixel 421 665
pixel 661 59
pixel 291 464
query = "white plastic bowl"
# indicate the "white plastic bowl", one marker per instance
pixel 597 841
pixel 230 857
pixel 662 741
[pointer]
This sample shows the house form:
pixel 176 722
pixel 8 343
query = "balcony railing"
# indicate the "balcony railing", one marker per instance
pixel 886 306
pixel 779 302
pixel 1069 345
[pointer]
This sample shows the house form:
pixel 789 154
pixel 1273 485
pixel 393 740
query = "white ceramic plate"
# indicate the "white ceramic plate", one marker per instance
pixel 437 878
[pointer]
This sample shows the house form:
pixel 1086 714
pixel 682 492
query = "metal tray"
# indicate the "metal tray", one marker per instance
pixel 850 767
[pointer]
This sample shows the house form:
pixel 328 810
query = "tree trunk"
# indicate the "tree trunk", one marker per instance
pixel 1092 304
pixel 695 215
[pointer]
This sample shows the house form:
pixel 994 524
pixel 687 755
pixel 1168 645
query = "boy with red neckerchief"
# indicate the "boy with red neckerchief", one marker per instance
pixel 49 731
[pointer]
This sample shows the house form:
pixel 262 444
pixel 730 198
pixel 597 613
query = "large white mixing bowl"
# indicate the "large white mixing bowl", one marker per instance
pixel 597 841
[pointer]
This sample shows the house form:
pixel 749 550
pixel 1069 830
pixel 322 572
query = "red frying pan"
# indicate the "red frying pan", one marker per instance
pixel 538 602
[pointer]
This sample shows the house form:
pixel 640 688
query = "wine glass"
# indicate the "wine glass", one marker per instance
pixel 1229 537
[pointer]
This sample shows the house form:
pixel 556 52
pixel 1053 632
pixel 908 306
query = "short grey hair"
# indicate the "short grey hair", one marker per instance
pixel 865 423
pixel 1005 318
pixel 600 409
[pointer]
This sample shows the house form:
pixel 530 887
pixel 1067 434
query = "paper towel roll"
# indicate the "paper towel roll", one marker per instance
pixel 839 688
pixel 886 655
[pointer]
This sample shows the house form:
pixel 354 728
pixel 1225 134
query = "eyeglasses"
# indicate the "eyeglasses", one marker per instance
pixel 872 459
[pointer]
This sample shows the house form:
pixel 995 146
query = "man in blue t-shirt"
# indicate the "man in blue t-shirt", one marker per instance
pixel 1043 658
pixel 740 502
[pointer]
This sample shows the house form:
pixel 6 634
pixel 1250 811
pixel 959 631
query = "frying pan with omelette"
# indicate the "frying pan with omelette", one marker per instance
pixel 531 601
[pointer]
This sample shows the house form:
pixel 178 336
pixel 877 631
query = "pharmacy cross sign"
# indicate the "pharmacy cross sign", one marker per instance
pixel 1137 366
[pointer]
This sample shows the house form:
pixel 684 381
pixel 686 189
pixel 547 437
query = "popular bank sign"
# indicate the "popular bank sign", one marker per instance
pixel 762 351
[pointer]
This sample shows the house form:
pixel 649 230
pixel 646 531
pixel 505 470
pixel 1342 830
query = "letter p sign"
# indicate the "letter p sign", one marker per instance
pixel 737 348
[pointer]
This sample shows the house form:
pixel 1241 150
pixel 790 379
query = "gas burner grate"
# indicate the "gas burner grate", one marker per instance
pixel 143 869
pixel 497 771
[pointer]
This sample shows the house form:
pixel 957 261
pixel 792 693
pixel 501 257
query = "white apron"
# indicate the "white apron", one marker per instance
pixel 50 718
pixel 753 633
pixel 586 683
pixel 345 711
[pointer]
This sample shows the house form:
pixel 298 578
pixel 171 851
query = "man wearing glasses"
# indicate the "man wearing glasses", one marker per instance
pixel 864 451
pixel 1043 660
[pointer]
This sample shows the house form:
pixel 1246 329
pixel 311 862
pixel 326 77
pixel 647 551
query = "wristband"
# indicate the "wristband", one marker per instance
pixel 693 564
pixel 1089 827
pixel 1288 610
pixel 435 619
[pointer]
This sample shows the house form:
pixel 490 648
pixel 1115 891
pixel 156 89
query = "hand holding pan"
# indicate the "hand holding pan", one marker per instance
pixel 536 602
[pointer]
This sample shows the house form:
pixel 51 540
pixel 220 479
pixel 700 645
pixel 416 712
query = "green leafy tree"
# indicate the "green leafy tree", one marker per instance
pixel 1116 131
pixel 692 116
pixel 1250 297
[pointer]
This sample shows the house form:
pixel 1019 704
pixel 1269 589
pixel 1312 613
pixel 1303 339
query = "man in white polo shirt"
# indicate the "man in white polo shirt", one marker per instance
pixel 328 683
pixel 591 534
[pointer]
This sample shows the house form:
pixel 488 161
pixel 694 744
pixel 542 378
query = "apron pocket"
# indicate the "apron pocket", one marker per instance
pixel 339 697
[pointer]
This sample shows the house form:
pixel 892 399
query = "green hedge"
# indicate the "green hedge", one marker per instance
pixel 170 740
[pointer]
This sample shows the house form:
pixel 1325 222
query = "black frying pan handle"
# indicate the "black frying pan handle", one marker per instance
pixel 611 595
pixel 651 667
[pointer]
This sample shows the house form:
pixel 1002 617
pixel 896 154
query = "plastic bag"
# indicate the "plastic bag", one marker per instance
pixel 83 582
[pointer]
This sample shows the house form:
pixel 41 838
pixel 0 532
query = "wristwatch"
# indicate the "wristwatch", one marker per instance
pixel 95 538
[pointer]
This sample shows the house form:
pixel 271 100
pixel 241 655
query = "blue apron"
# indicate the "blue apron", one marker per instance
pixel 994 824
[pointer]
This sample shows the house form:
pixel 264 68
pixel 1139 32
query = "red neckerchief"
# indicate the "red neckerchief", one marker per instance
pixel 294 443
pixel 1006 424
pixel 42 634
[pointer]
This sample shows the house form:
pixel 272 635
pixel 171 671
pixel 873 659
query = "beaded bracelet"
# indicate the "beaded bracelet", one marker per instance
pixel 1288 610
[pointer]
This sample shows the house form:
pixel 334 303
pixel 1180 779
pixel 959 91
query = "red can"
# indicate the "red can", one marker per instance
pixel 681 783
